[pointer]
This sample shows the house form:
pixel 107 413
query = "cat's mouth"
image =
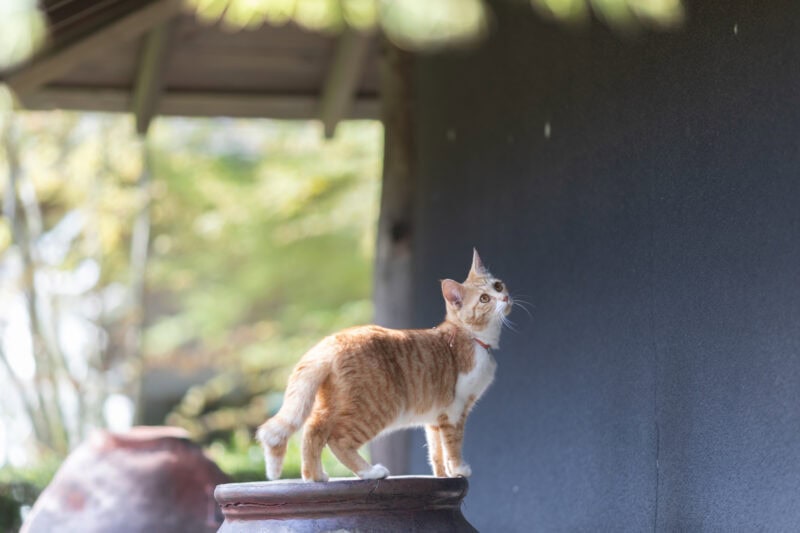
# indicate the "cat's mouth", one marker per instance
pixel 509 305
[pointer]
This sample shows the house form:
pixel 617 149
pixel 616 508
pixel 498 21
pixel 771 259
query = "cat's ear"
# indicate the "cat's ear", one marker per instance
pixel 477 269
pixel 453 292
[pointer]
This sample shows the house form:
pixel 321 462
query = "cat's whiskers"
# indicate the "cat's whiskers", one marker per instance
pixel 508 323
pixel 500 311
pixel 522 306
pixel 516 301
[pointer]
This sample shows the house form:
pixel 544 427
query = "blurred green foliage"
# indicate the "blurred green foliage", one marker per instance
pixel 263 237
pixel 268 230
pixel 620 15
pixel 22 31
pixel 69 194
pixel 19 488
pixel 261 243
pixel 424 25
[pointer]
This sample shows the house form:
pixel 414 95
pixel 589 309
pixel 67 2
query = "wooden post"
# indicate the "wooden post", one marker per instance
pixel 393 257
pixel 140 250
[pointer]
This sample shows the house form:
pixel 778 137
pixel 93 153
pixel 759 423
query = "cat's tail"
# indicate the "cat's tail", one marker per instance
pixel 297 404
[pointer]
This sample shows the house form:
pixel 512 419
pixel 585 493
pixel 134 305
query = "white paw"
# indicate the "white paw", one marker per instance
pixel 374 472
pixel 462 470
pixel 274 466
pixel 273 470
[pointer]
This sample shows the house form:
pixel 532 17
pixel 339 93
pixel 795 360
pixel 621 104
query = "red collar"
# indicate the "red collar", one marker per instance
pixel 483 344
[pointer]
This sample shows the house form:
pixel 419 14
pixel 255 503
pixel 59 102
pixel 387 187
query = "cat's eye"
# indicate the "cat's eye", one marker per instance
pixel 484 298
pixel 498 286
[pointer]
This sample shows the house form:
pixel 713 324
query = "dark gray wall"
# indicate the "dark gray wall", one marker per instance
pixel 657 235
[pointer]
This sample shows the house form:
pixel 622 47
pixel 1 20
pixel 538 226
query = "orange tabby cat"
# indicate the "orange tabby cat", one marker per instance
pixel 369 380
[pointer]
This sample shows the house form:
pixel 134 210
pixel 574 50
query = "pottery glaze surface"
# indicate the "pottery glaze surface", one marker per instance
pixel 405 503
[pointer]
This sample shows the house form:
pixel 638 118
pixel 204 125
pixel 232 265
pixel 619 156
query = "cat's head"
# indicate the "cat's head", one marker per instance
pixel 480 303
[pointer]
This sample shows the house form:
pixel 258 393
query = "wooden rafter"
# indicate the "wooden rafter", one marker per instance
pixel 59 61
pixel 196 103
pixel 343 77
pixel 150 76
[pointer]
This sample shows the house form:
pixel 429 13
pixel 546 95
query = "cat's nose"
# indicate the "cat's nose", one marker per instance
pixel 505 298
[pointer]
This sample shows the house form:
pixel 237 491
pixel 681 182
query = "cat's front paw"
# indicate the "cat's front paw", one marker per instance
pixel 460 470
pixel 321 477
pixel 374 472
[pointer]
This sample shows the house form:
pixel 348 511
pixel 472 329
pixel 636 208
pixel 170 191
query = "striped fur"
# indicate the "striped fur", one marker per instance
pixel 369 380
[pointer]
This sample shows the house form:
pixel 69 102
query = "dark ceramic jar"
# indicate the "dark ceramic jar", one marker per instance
pixel 396 504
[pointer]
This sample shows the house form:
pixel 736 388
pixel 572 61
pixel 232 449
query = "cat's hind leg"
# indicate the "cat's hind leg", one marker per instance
pixel 315 434
pixel 434 438
pixel 346 450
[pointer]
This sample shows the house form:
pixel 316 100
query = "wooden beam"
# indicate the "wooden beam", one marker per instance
pixel 80 99
pixel 239 105
pixel 55 63
pixel 257 106
pixel 150 76
pixel 344 75
pixel 196 104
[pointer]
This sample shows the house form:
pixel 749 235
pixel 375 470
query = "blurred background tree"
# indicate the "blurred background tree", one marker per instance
pixel 66 193
pixel 261 243
pixel 69 186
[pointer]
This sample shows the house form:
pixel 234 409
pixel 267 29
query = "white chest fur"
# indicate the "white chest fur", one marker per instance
pixel 475 382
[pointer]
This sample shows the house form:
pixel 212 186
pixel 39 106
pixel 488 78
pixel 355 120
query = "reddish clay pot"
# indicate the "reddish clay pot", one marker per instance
pixel 396 504
pixel 150 479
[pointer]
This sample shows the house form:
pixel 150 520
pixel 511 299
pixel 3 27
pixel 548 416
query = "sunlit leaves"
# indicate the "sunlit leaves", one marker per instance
pixel 253 13
pixel 661 13
pixel 432 24
pixel 360 14
pixel 22 31
pixel 571 11
pixel 412 24
pixel 320 14
pixel 262 220
pixel 327 15
pixel 422 24
pixel 622 15
pixel 87 164
pixel 212 10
